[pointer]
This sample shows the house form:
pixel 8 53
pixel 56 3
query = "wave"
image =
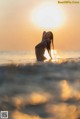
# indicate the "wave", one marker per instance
pixel 41 90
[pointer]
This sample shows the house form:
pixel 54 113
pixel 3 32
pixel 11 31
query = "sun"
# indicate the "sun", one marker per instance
pixel 48 15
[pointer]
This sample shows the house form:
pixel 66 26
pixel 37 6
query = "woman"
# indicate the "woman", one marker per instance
pixel 46 43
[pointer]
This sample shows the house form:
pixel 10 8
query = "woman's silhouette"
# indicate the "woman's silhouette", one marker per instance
pixel 46 43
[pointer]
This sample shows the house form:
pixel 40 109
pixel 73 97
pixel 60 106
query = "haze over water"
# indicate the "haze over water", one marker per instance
pixel 23 57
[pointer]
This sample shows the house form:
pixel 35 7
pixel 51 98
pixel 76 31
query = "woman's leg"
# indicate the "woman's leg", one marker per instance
pixel 39 51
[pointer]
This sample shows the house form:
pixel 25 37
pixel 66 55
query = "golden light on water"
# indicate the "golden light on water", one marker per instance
pixel 46 55
pixel 54 55
pixel 48 15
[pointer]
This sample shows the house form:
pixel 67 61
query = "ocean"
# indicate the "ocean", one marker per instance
pixel 40 90
pixel 24 57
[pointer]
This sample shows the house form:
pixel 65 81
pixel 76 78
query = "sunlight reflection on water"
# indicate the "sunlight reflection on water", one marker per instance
pixel 41 90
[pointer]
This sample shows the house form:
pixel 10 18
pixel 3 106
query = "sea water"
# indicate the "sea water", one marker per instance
pixel 7 57
pixel 38 90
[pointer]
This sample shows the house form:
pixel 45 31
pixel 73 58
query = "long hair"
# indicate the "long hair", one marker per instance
pixel 51 38
pixel 49 35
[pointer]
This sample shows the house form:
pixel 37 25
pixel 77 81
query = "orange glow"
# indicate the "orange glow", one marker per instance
pixel 55 56
pixel 18 115
pixel 38 98
pixel 20 30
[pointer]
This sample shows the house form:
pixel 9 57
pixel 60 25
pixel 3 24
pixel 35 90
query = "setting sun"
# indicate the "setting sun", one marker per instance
pixel 48 15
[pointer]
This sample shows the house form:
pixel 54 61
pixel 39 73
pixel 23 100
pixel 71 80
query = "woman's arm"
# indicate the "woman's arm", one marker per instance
pixel 51 48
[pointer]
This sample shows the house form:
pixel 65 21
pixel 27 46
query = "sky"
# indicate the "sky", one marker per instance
pixel 18 32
